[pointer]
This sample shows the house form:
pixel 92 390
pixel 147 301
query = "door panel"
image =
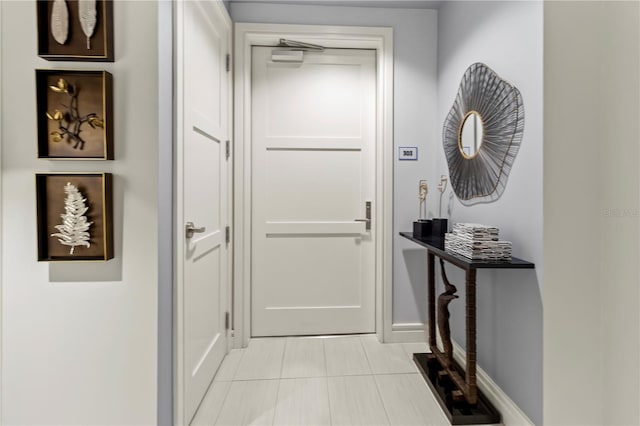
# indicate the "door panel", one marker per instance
pixel 336 112
pixel 313 153
pixel 323 286
pixel 295 179
pixel 204 185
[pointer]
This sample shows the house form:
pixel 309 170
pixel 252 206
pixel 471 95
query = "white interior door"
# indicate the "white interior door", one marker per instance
pixel 313 171
pixel 203 85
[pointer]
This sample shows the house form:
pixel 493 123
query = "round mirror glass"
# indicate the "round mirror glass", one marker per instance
pixel 471 134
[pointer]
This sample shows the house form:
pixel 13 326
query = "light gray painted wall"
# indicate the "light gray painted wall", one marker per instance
pixel 165 214
pixel 508 37
pixel 80 339
pixel 415 121
pixel 592 205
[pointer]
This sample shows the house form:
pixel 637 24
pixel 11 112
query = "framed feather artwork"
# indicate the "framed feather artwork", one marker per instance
pixel 74 216
pixel 75 30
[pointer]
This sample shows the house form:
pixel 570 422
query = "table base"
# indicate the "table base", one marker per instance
pixel 457 410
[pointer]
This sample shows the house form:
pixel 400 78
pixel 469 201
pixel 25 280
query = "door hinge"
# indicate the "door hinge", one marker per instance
pixel 227 232
pixel 228 63
pixel 226 320
pixel 227 149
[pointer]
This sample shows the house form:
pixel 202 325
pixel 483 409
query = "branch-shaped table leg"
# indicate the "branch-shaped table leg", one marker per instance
pixel 443 316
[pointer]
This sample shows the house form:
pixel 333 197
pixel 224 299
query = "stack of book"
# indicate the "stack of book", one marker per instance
pixel 477 242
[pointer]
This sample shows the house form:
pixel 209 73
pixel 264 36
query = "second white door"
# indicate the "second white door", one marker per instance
pixel 202 188
pixel 313 176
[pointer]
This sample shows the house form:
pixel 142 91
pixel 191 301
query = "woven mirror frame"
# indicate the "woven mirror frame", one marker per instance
pixel 482 176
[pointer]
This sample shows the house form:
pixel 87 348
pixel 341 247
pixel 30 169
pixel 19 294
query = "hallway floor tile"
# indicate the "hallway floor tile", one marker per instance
pixel 340 381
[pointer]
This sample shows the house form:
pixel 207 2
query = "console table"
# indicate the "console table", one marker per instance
pixel 455 388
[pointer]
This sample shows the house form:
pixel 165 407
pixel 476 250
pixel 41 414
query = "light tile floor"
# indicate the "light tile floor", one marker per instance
pixel 346 380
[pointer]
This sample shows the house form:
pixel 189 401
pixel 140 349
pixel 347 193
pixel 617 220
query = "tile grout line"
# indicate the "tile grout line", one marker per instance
pixel 252 380
pixel 326 370
pixel 364 349
pixel 235 372
pixel 231 382
pixel 284 351
pixel 376 382
pixel 226 395
pixel 384 406
pixel 326 359
pixel 275 407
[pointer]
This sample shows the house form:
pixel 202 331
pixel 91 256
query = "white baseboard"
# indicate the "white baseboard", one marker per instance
pixel 407 333
pixel 512 415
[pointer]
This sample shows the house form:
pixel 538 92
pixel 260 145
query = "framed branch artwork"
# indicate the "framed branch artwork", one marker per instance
pixel 74 110
pixel 75 30
pixel 74 216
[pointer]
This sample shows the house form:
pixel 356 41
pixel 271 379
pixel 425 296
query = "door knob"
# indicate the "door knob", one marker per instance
pixel 190 229
pixel 367 221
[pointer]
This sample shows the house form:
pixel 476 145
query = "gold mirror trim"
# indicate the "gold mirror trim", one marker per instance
pixel 460 146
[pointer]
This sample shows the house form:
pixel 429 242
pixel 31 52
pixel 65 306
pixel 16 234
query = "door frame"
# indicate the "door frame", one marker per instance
pixel 377 38
pixel 178 214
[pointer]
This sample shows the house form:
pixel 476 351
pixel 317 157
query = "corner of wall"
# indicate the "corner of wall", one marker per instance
pixel 1 137
pixel 165 215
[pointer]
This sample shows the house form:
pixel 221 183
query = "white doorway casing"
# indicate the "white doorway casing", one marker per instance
pixel 378 39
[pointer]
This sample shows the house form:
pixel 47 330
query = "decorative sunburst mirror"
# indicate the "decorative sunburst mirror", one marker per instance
pixel 482 135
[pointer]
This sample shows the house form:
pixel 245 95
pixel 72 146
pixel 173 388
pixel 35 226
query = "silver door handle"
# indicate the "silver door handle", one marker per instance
pixel 367 221
pixel 190 229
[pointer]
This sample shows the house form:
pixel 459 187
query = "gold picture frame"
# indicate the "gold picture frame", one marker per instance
pixel 52 200
pixel 74 114
pixel 75 47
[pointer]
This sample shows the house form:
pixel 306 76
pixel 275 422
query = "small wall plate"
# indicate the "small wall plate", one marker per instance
pixel 408 153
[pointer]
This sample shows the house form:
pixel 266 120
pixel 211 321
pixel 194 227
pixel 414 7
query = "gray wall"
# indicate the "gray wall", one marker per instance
pixel 415 121
pixel 79 339
pixel 508 37
pixel 592 211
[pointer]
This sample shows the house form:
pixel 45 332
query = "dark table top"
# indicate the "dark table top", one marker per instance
pixel 436 246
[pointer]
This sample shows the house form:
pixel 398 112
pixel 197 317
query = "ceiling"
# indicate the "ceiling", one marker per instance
pixel 398 4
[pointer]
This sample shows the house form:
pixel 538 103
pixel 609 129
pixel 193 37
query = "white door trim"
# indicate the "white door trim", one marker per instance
pixel 178 158
pixel 380 39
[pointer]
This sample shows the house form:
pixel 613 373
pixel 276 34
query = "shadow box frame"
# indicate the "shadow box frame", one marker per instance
pixel 97 189
pixel 98 80
pixel 75 48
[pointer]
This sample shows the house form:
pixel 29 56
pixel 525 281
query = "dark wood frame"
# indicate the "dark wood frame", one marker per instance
pixel 75 47
pixel 100 194
pixel 456 388
pixel 45 103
